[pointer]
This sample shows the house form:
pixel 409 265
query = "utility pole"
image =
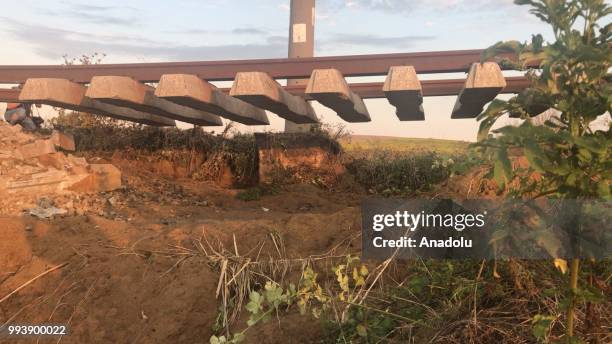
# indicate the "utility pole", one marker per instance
pixel 301 44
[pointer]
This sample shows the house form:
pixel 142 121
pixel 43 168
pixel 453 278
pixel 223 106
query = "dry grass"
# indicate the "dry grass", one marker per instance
pixel 356 143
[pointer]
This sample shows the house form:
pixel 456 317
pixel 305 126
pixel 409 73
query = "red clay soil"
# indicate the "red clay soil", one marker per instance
pixel 127 279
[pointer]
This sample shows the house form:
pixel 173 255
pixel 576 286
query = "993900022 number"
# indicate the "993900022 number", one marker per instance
pixel 33 330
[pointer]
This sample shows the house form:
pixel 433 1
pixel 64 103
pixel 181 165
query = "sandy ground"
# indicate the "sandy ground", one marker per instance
pixel 132 269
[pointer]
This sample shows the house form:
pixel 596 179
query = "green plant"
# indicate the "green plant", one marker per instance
pixel 463 164
pixel 571 159
pixel 309 296
pixel 399 173
pixel 261 306
pixel 238 151
pixel 541 326
pixel 250 194
pixel 256 192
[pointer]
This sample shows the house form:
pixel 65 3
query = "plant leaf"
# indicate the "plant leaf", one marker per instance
pixel 561 264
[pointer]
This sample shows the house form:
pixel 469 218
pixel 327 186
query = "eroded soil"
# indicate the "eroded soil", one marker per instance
pixel 135 266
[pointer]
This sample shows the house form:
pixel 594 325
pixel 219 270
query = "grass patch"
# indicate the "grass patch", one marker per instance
pixel 257 192
pixel 250 194
pixel 399 173
pixel 238 151
pixel 404 144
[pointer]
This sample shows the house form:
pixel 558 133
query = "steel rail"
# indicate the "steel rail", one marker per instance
pixel 282 68
pixel 366 90
pixel 431 88
pixel 9 95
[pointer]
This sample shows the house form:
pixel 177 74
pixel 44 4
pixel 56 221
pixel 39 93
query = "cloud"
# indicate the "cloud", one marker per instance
pixel 252 31
pixel 277 40
pixel 52 43
pixel 370 40
pixel 97 18
pixel 93 8
pixel 95 14
pixel 402 6
pixel 192 32
pixel 249 31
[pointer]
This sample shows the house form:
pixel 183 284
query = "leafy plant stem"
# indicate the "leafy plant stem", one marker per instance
pixel 573 284
pixel 382 312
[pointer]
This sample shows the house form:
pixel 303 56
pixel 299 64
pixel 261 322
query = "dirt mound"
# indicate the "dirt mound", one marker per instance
pixel 14 246
pixel 171 255
pixel 177 163
pixel 298 159
pixel 141 276
pixel 127 264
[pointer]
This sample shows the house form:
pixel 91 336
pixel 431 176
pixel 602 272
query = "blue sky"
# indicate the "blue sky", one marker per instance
pixel 40 32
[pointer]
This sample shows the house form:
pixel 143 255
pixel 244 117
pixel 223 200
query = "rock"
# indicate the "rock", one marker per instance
pixel 35 149
pixel 102 177
pixel 56 160
pixel 31 167
pixel 107 175
pixel 77 165
pixel 45 213
pixel 77 160
pixel 46 209
pixel 64 141
pixel 37 182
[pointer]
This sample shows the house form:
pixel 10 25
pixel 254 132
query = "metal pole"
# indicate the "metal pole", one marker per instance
pixel 301 44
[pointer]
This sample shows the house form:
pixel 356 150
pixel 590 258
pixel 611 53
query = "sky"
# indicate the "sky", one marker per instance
pixel 41 32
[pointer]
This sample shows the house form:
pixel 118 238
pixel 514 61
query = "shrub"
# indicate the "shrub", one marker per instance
pixel 256 192
pixel 399 173
pixel 572 159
